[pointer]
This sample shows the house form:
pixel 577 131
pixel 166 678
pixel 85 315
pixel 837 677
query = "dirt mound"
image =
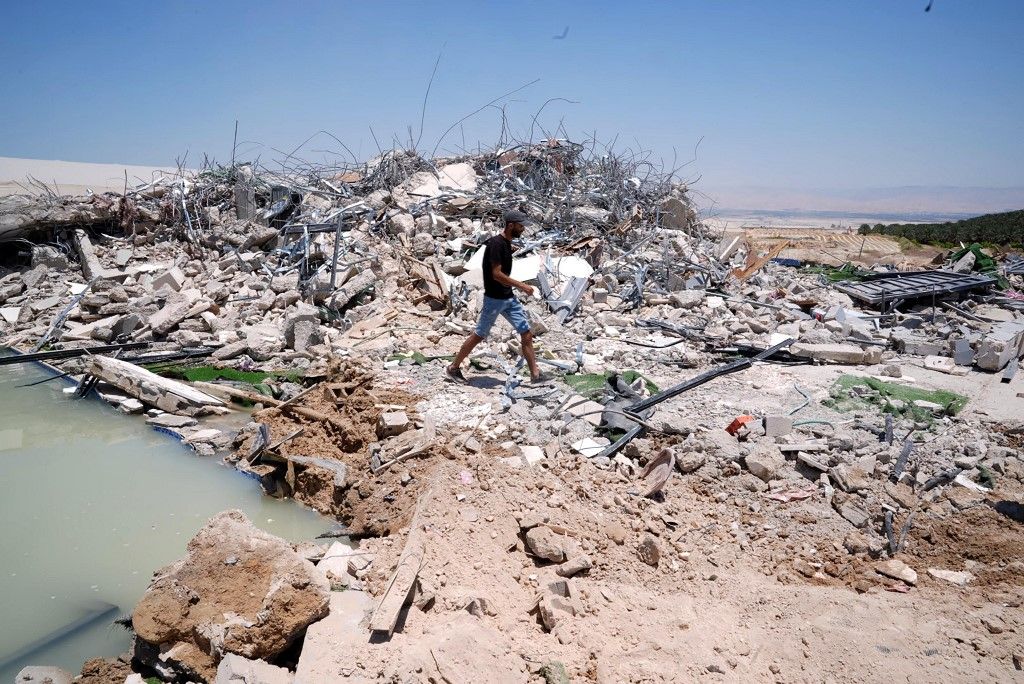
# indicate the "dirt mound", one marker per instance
pixel 989 543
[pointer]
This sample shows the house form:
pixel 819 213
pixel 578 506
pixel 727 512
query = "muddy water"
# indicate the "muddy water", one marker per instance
pixel 91 503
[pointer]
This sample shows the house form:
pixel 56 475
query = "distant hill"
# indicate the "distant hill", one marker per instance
pixel 912 202
pixel 1006 228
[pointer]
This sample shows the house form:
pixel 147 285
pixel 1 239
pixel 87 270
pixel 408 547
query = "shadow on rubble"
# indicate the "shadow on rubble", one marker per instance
pixel 1013 510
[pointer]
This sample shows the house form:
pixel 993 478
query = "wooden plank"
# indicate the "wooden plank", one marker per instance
pixel 400 588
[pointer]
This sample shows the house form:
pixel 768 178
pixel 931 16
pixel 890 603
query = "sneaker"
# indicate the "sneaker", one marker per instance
pixel 454 375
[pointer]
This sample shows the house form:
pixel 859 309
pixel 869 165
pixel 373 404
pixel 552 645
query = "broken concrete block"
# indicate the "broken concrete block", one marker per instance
pixel 10 313
pixel 1004 342
pixel 173 279
pixel 944 364
pixel 232 350
pixel 686 299
pixel 776 426
pixel 392 423
pixel 131 406
pixel 959 578
pixel 600 295
pixel 854 514
pixel 963 355
pixel 174 311
pixel 837 353
pixel 235 669
pixel 896 569
pixel 166 394
pixel 304 313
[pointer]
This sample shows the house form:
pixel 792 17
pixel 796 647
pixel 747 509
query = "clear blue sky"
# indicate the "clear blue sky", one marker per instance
pixel 796 94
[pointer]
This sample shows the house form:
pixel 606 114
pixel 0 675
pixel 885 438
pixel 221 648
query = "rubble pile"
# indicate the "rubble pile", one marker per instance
pixel 722 427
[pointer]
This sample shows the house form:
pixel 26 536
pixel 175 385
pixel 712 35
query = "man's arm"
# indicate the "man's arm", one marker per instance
pixel 500 277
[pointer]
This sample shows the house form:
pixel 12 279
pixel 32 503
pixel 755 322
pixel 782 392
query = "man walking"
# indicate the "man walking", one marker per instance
pixel 498 298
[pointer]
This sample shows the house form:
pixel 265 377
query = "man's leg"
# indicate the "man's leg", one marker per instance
pixel 465 350
pixel 488 314
pixel 515 313
pixel 529 354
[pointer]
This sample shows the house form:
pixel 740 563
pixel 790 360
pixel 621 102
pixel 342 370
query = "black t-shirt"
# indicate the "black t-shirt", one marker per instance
pixel 497 250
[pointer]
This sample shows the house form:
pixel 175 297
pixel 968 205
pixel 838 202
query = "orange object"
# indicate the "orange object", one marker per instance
pixel 735 425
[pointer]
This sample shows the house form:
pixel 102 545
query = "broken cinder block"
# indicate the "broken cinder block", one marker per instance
pixel 392 423
pixel 173 279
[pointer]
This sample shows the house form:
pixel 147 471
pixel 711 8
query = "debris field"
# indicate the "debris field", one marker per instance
pixel 746 467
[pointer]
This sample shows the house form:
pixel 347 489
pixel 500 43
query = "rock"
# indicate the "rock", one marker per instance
pixel 34 276
pixel 131 406
pixel 254 608
pixel 896 569
pixel 764 462
pixel 557 602
pixel 686 299
pixel 232 350
pixel 959 578
pixel 305 335
pixel 994 624
pixel 965 264
pixel 648 550
pixel 616 532
pixel 10 313
pixel 175 309
pixel 690 461
pixel 235 669
pixel 857 542
pixel 423 245
pixel 392 423
pixel 892 371
pixel 173 279
pixel 402 223
pixel 547 544
pixel 574 566
pixel 854 514
pixel 838 353
pixel 122 257
pixel 849 478
pixel 43 674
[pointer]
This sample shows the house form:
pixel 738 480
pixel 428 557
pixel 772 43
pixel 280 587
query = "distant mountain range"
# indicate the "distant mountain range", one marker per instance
pixel 908 201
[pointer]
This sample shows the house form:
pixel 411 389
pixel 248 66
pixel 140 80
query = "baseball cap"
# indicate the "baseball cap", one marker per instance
pixel 515 216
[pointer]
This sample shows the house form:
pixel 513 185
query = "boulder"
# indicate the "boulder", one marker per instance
pixel 238 590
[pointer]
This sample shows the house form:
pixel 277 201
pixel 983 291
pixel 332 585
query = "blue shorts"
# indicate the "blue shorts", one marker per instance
pixel 510 308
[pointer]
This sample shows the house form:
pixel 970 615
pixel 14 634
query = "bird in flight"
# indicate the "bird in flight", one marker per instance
pixel 564 34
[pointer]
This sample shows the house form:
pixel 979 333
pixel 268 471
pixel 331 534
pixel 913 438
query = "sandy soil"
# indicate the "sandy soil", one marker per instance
pixel 746 588
pixel 69 178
